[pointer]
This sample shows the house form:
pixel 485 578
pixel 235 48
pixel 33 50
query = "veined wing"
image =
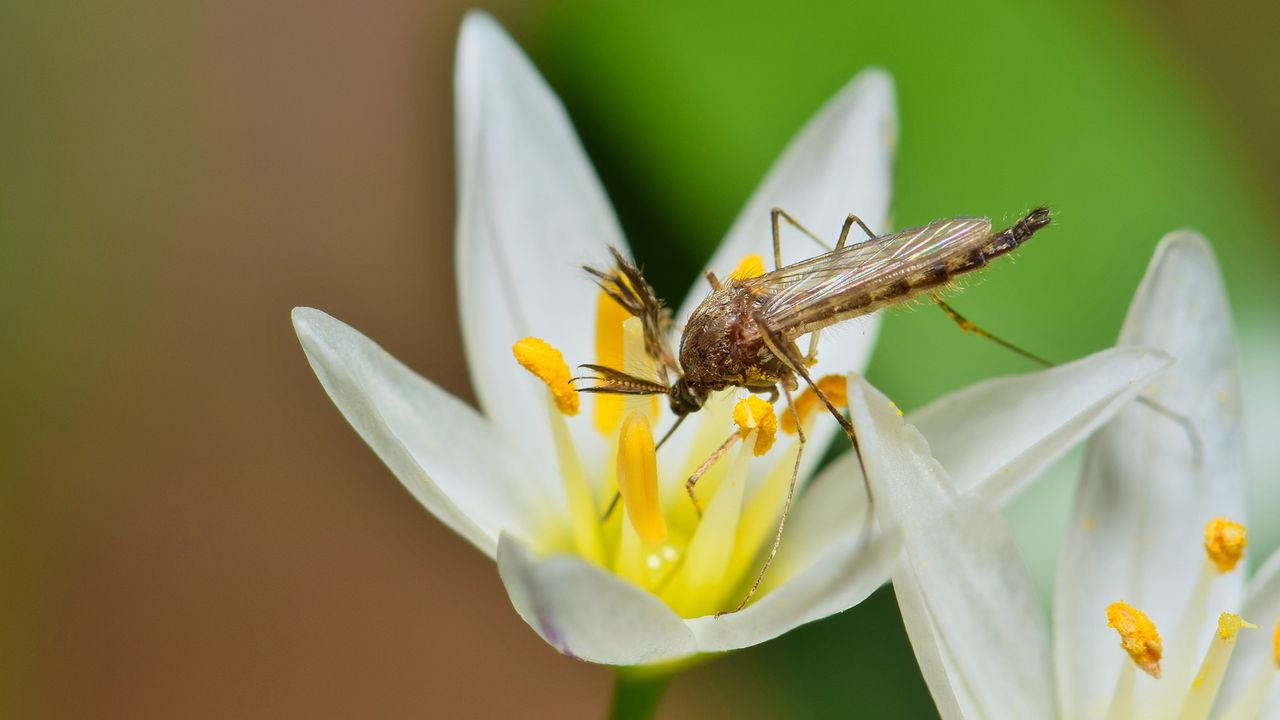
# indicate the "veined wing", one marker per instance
pixel 825 289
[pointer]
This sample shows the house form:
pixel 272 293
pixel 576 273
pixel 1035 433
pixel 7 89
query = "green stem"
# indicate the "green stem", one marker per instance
pixel 638 690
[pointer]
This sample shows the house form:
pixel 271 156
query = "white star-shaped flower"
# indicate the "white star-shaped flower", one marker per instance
pixel 1153 549
pixel 527 481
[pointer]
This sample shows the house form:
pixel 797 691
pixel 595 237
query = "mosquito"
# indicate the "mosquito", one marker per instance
pixel 744 334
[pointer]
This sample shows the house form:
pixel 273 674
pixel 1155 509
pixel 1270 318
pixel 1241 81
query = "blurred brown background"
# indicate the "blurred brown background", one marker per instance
pixel 191 529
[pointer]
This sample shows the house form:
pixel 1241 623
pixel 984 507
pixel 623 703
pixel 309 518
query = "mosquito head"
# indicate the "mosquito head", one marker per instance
pixel 685 399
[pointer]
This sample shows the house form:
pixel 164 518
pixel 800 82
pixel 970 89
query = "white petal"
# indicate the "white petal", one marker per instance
pixel 1136 530
pixel 443 452
pixel 967 601
pixel 840 162
pixel 842 576
pixel 1255 649
pixel 996 436
pixel 531 212
pixel 825 564
pixel 587 613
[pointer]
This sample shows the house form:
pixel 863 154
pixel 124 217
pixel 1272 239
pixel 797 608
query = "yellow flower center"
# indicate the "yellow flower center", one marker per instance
pixel 1138 636
pixel 1224 542
pixel 548 365
pixel 835 387
pixel 754 414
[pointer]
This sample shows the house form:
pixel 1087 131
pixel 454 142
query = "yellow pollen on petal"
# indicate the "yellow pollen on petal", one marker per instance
pixel 638 479
pixel 835 387
pixel 754 414
pixel 1138 636
pixel 1224 542
pixel 547 364
pixel 749 267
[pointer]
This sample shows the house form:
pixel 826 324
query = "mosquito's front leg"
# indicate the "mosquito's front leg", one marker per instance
pixel 786 507
pixel 702 470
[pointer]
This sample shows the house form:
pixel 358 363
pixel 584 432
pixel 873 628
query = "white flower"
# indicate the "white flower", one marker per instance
pixel 527 485
pixel 1147 529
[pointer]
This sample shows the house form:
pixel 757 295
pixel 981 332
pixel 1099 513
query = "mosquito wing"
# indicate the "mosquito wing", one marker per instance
pixel 859 279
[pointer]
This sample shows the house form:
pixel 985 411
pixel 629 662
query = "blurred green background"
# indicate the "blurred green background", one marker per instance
pixel 192 530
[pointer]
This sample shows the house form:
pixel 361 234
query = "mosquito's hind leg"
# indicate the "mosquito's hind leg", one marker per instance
pixel 969 326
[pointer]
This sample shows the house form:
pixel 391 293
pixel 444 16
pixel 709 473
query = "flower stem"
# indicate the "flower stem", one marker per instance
pixel 637 690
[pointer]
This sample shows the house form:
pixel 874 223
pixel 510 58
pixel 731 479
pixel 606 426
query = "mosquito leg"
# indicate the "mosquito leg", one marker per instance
pixel 970 326
pixel 848 224
pixel 613 504
pixel 777 236
pixel 786 510
pixel 703 468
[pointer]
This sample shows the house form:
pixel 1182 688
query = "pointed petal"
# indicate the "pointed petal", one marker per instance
pixel 1137 524
pixel 443 452
pixel 587 613
pixel 531 212
pixel 996 436
pixel 968 603
pixel 840 162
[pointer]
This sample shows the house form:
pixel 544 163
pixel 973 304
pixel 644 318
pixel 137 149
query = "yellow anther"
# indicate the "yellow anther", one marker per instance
pixel 1229 624
pixel 1275 645
pixel 638 479
pixel 750 266
pixel 1224 542
pixel 835 387
pixel 1138 636
pixel 754 414
pixel 609 353
pixel 544 361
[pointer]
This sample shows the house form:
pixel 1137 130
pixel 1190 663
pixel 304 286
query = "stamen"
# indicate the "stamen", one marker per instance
pixel 638 479
pixel 835 387
pixel 609 353
pixel 751 266
pixel 548 365
pixel 1224 541
pixel 1200 697
pixel 755 415
pixel 1138 636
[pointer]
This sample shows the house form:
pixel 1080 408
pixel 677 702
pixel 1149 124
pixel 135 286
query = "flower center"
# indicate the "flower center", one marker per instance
pixel 636 516
pixel 1184 691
